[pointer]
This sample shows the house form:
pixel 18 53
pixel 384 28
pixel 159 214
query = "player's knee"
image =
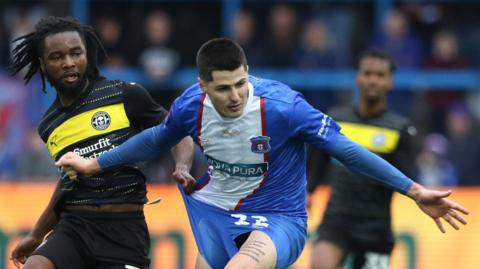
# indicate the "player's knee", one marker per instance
pixel 323 266
pixel 326 255
pixel 38 262
pixel 240 263
pixel 318 262
pixel 242 266
pixel 201 263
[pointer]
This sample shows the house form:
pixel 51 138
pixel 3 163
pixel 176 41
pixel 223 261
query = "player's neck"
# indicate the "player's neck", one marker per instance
pixel 67 100
pixel 368 109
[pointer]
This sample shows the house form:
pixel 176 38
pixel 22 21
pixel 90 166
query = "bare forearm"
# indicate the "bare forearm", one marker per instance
pixel 183 153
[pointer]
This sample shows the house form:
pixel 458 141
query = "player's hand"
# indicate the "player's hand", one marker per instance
pixel 72 164
pixel 70 172
pixel 182 176
pixel 435 204
pixel 24 248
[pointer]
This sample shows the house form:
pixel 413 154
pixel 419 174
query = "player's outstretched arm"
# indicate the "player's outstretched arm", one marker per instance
pixel 435 204
pixel 42 227
pixel 141 147
pixel 432 202
pixel 183 154
pixel 73 163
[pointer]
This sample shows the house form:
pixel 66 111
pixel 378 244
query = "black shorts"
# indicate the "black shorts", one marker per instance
pixel 363 238
pixel 85 240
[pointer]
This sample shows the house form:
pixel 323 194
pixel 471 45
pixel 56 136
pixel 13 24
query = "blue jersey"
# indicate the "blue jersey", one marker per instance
pixel 257 161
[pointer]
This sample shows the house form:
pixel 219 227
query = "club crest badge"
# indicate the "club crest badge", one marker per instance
pixel 379 139
pixel 260 144
pixel 100 120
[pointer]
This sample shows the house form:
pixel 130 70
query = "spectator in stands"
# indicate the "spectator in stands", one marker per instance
pixel 12 123
pixel 158 59
pixel 445 51
pixel 399 40
pixel 445 55
pixel 7 158
pixel 243 32
pixel 464 150
pixel 433 166
pixel 277 50
pixel 315 50
pixel 110 33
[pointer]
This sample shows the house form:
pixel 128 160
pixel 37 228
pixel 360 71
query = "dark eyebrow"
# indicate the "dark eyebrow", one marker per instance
pixel 242 80
pixel 76 48
pixel 57 52
pixel 222 86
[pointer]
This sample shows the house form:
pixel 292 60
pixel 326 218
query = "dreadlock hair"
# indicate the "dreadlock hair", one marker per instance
pixel 30 49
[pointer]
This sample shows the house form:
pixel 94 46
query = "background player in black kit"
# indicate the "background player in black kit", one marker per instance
pixel 357 219
pixel 96 222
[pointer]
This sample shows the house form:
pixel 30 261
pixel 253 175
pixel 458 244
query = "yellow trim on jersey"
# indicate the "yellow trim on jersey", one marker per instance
pixel 80 127
pixel 376 139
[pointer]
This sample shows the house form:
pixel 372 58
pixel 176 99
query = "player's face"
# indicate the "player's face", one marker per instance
pixel 228 91
pixel 374 79
pixel 64 61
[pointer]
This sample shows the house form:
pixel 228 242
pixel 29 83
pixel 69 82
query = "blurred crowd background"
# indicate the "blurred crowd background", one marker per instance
pixel 311 45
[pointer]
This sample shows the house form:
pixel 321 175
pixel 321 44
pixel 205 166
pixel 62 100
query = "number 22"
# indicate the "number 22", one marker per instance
pixel 258 221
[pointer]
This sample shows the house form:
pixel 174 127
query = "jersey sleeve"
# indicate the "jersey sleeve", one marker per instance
pixel 149 143
pixel 321 131
pixel 313 126
pixel 141 109
pixel 362 161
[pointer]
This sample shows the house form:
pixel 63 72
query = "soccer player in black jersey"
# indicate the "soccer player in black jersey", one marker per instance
pixel 357 219
pixel 94 222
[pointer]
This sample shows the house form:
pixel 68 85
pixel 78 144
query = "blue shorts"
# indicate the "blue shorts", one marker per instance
pixel 215 231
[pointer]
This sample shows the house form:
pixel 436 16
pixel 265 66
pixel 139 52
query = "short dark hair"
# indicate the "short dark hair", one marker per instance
pixel 219 54
pixel 30 49
pixel 378 54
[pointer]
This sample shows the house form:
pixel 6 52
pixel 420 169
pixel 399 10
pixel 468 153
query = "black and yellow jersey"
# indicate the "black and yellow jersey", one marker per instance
pixel 387 134
pixel 104 116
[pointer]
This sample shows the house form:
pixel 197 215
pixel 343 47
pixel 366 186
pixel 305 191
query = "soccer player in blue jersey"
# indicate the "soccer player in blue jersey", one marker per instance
pixel 248 211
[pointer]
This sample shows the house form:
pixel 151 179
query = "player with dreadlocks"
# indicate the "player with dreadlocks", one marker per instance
pixel 92 222
pixel 28 52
